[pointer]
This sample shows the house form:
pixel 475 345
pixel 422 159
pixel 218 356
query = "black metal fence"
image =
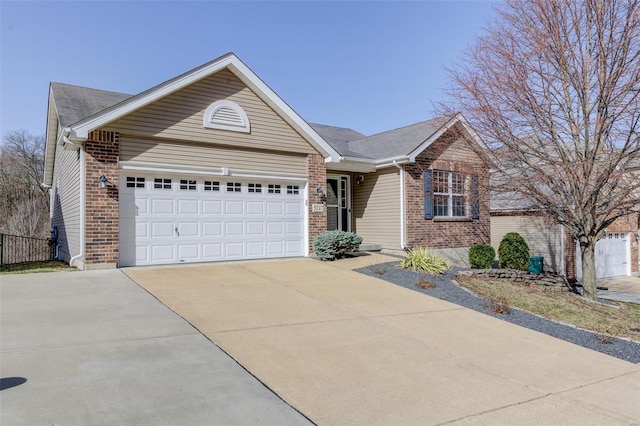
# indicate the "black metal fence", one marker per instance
pixel 16 249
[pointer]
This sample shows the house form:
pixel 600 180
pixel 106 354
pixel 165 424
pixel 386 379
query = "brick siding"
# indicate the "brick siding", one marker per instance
pixel 317 175
pixel 102 151
pixel 448 153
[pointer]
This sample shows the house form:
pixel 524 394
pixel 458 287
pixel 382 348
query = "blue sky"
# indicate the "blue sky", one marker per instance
pixel 370 66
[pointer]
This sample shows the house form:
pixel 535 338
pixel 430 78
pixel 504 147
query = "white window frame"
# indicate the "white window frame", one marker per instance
pixel 449 194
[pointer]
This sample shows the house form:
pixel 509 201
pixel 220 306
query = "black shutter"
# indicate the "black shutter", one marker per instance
pixel 475 198
pixel 427 179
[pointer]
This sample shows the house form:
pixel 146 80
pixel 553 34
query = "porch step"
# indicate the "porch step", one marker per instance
pixel 370 247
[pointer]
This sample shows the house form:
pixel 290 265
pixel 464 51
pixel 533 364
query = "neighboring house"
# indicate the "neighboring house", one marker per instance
pixel 212 165
pixel 616 254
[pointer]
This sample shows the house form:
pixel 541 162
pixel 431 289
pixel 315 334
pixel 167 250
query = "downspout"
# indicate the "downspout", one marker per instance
pixel 80 255
pixel 402 215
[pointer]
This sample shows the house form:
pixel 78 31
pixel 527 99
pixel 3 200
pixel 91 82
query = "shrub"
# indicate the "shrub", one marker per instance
pixel 481 256
pixel 419 259
pixel 513 252
pixel 332 245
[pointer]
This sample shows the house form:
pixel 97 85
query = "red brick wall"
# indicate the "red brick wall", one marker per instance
pixel 317 175
pixel 449 153
pixel 101 205
pixel 569 254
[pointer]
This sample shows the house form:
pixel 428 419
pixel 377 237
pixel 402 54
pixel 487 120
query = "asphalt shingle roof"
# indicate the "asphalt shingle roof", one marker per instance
pixel 75 103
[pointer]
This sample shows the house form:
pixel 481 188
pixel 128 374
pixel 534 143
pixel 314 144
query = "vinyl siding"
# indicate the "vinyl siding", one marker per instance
pixel 376 208
pixel 543 238
pixel 202 155
pixel 179 116
pixel 66 202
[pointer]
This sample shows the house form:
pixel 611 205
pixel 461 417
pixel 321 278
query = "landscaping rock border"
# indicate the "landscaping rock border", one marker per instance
pixel 447 289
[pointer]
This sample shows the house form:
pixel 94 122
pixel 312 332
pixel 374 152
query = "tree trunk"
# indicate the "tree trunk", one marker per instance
pixel 589 284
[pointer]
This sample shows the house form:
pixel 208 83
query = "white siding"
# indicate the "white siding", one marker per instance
pixel 376 208
pixel 66 202
pixel 544 238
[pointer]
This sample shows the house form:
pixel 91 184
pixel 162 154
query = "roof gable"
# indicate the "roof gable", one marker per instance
pixel 79 130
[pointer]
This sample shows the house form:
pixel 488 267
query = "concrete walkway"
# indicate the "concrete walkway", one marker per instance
pixel 89 348
pixel 347 349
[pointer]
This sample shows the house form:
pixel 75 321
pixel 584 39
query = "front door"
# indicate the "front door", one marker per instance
pixel 338 203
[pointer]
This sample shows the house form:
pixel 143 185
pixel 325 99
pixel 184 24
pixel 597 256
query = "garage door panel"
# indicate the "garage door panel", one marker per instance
pixel 275 228
pixel 293 209
pixel 255 228
pixel 212 251
pixel 142 230
pixel 172 225
pixel 188 251
pixel 234 207
pixel 234 250
pixel 212 207
pixel 234 229
pixel 162 229
pixel 188 207
pixel 161 253
pixel 274 208
pixel 211 229
pixel 188 229
pixel 255 249
pixel 162 206
pixel 275 248
pixel 255 208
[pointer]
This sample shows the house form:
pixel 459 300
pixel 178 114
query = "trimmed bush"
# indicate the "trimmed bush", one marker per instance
pixel 481 256
pixel 331 245
pixel 421 260
pixel 513 252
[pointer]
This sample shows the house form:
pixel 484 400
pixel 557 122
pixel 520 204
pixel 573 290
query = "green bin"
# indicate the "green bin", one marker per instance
pixel 535 264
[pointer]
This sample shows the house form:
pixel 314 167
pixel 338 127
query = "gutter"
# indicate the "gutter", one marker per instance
pixel 402 213
pixel 393 161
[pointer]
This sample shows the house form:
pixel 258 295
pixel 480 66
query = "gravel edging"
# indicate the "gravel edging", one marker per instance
pixel 446 289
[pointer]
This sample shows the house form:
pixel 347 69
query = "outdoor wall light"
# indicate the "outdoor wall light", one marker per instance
pixel 103 182
pixel 359 179
pixel 319 191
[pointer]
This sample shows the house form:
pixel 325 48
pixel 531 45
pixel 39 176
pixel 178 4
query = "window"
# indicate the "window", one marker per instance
pixel 274 189
pixel 135 182
pixel 255 187
pixel 162 183
pixel 234 187
pixel 211 186
pixel 293 189
pixel 449 195
pixel 189 185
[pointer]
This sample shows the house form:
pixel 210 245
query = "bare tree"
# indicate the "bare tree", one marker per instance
pixel 24 203
pixel 552 86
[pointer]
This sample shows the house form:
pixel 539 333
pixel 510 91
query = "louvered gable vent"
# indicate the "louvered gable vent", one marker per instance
pixel 226 115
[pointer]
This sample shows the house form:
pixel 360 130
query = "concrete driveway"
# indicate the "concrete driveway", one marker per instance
pixel 346 349
pixel 89 348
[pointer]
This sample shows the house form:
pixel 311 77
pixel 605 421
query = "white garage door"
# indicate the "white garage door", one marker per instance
pixel 164 219
pixel 612 255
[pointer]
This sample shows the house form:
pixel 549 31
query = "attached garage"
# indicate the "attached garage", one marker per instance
pixel 613 256
pixel 168 219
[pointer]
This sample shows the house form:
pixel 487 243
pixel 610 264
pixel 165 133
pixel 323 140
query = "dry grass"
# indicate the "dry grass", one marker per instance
pixel 611 319
pixel 31 267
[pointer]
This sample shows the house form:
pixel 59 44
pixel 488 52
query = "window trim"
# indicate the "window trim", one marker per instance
pixel 450 195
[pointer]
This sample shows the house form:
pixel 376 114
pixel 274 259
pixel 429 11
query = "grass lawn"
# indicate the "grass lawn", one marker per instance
pixel 613 318
pixel 31 267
